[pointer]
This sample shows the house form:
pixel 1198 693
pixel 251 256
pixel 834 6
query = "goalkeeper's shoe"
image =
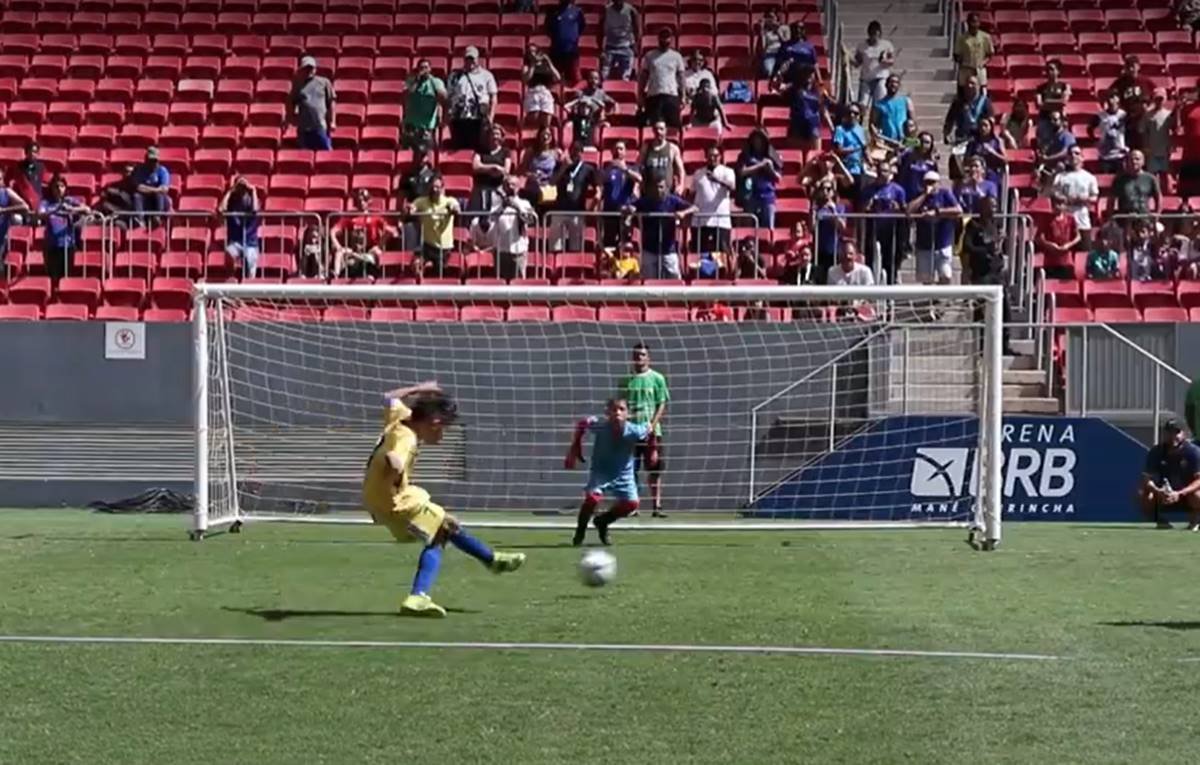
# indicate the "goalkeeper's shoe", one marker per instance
pixel 503 562
pixel 422 605
pixel 602 522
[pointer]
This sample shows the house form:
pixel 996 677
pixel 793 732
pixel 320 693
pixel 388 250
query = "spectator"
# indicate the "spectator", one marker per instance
pixel 1057 239
pixel 1171 478
pixel 661 213
pixel 1188 13
pixel 982 241
pixel 850 145
pixel 769 37
pixel 311 256
pixel 759 169
pixel 797 266
pixel 826 168
pixel 239 205
pixel 1187 247
pixel 873 57
pixel 358 240
pixel 424 97
pixel 1110 124
pixel 116 199
pixel 622 262
pixel 620 186
pixel 808 109
pixel 661 84
pixel 60 215
pixel 975 186
pixel 969 107
pixel 1134 91
pixel 712 189
pixel 662 160
pixel 890 235
pixel 706 110
pixel 620 36
pixel 436 214
pixel 1016 125
pixel 28 176
pixel 511 218
pixel 490 166
pixel 473 94
pixel 1157 125
pixel 312 107
pixel 849 271
pixel 915 164
pixel 538 166
pixel 989 150
pixel 972 52
pixel 10 203
pixel 1133 191
pixel 1080 190
pixel 1052 96
pixel 589 110
pixel 1103 261
pixel 890 113
pixel 1051 156
pixel 830 226
pixel 748 264
pixel 539 75
pixel 578 189
pixel 414 184
pixel 1147 261
pixel 1189 138
pixel 565 25
pixel 697 72
pixel 152 187
pixel 796 55
pixel 912 138
pixel 938 212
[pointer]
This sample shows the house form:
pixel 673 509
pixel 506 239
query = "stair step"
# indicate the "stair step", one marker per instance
pixel 1040 405
pixel 1024 377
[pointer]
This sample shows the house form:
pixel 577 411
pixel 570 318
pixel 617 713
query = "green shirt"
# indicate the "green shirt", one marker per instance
pixel 644 392
pixel 1192 407
pixel 421 106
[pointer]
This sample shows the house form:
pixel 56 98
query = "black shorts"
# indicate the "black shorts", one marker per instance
pixel 1189 179
pixel 661 107
pixel 640 457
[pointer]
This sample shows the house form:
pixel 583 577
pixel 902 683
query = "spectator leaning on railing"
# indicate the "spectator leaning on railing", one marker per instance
pixel 152 187
pixel 661 212
pixel 239 205
pixel 937 213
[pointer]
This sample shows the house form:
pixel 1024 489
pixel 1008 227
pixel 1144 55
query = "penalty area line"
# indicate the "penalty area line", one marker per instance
pixel 775 650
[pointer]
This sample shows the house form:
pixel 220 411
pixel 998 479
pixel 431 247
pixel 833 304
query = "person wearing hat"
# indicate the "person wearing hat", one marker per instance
pixel 152 187
pixel 472 101
pixel 937 211
pixel 311 107
pixel 1171 477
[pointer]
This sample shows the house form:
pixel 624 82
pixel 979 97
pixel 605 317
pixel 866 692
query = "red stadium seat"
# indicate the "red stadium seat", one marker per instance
pixel 391 314
pixel 83 291
pixel 32 290
pixel 618 313
pixel 164 315
pixel 66 312
pixel 116 313
pixel 20 312
pixel 480 313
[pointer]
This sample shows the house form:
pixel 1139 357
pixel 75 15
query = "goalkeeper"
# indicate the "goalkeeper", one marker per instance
pixel 613 450
pixel 419 415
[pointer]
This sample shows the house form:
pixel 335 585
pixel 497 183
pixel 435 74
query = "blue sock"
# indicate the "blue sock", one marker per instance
pixel 427 569
pixel 472 546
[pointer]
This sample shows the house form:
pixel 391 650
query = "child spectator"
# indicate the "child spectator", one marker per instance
pixel 589 110
pixel 1157 125
pixel 622 262
pixel 1102 261
pixel 311 257
pixel 1057 239
pixel 1147 259
pixel 1110 124
pixel 706 109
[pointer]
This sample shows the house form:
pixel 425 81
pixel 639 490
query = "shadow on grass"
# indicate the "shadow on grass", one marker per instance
pixel 1168 625
pixel 282 614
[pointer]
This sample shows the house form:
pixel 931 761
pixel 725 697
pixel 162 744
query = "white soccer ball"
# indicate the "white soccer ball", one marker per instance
pixel 597 568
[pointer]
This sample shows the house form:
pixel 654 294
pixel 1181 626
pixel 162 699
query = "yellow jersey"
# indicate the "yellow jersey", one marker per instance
pixel 383 491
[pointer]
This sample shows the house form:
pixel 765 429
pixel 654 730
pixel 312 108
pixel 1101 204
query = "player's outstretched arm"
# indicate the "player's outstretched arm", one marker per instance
pixel 575 451
pixel 429 386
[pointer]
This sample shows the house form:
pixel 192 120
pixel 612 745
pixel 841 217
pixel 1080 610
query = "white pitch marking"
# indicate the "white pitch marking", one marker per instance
pixel 785 650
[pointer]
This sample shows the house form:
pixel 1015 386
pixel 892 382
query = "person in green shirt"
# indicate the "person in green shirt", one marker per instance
pixel 1191 407
pixel 424 97
pixel 646 392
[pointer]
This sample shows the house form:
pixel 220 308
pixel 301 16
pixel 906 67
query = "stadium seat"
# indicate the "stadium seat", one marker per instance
pixel 31 290
pixel 346 313
pixel 573 313
pixel 528 313
pixel 391 314
pixel 163 315
pixel 478 313
pixel 124 292
pixel 83 291
pixel 1114 315
pixel 616 313
pixel 20 312
pixel 1165 314
pixel 1106 293
pixel 116 313
pixel 66 312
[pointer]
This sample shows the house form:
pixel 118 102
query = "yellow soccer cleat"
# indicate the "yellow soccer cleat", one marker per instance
pixel 502 563
pixel 422 605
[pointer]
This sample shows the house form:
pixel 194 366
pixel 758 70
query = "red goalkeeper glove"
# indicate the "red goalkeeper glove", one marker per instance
pixel 575 453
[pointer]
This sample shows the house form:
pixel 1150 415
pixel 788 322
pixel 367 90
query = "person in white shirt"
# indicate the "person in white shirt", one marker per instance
pixel 874 58
pixel 661 85
pixel 849 271
pixel 697 70
pixel 1081 191
pixel 511 218
pixel 712 191
pixel 472 92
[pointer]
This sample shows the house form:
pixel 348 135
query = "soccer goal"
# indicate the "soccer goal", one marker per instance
pixel 790 407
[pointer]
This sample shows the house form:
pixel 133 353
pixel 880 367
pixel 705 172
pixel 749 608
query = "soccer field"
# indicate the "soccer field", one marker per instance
pixel 1087 632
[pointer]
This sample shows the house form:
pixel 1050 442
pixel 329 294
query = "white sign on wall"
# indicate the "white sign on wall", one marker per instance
pixel 124 340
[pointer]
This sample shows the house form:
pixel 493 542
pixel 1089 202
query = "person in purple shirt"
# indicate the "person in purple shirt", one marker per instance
pixel 758 169
pixel 830 226
pixel 619 180
pixel 937 212
pixel 915 163
pixel 565 25
pixel 975 186
pixel 986 145
pixel 891 235
pixel 808 109
pixel 797 53
pixel 1052 153
pixel 661 212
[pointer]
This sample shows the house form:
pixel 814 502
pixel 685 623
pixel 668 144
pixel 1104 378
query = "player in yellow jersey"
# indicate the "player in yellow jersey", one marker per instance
pixel 414 416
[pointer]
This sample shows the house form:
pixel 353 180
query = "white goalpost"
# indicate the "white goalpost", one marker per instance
pixel 791 407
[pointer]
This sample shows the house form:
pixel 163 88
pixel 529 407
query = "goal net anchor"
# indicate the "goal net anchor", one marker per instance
pixel 775 405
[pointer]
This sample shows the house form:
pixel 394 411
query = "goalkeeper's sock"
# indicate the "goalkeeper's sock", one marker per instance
pixel 472 546
pixel 427 570
pixel 623 509
pixel 586 511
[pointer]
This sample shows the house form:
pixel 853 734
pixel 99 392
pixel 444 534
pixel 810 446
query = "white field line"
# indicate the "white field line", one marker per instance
pixel 783 650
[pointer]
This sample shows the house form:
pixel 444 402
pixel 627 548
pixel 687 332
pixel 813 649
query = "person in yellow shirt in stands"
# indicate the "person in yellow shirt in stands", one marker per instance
pixel 972 52
pixel 414 416
pixel 436 215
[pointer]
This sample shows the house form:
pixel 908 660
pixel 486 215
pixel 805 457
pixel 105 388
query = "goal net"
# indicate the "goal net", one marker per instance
pixel 789 406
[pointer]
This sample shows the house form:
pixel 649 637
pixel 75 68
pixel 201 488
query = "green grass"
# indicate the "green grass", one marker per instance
pixel 1118 601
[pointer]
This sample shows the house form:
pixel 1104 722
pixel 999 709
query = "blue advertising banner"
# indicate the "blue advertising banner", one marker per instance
pixel 925 467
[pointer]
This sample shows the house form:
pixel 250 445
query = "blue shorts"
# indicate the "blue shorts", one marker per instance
pixel 618 488
pixel 314 140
